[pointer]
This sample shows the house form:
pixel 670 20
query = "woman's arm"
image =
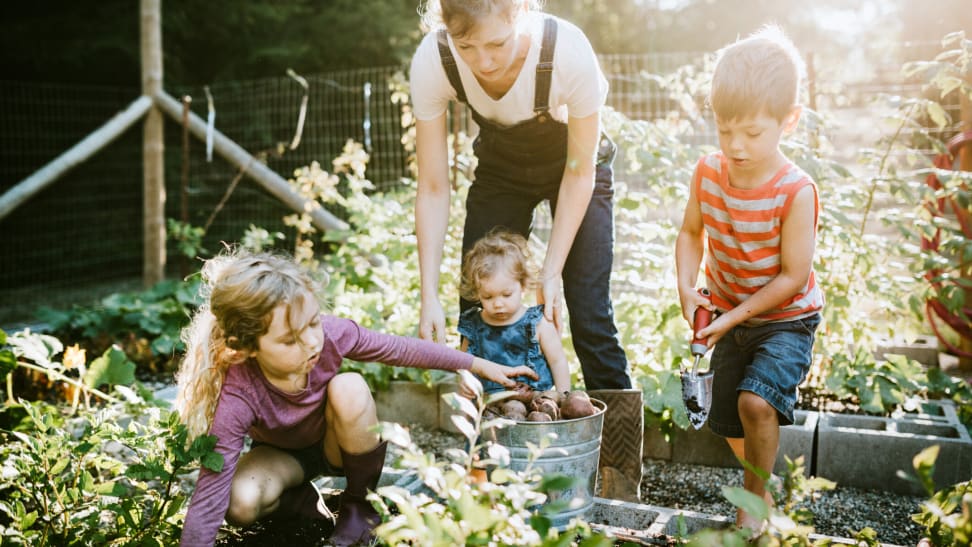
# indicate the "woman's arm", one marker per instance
pixel 576 188
pixel 431 220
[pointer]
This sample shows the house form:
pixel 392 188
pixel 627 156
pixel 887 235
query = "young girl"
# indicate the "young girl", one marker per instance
pixel 534 87
pixel 496 272
pixel 261 360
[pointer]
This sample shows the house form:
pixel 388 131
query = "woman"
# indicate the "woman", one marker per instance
pixel 534 87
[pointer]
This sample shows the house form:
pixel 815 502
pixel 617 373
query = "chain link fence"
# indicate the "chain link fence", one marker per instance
pixel 81 237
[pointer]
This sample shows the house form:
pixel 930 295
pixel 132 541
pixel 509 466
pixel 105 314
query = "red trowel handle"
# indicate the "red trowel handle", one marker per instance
pixel 701 320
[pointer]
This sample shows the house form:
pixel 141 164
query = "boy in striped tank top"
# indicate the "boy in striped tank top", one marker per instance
pixel 752 214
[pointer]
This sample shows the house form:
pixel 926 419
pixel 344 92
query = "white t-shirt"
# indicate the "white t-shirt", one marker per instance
pixel 577 87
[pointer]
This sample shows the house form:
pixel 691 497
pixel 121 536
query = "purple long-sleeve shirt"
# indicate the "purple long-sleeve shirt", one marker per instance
pixel 250 405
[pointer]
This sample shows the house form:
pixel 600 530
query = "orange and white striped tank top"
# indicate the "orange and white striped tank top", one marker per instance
pixel 743 229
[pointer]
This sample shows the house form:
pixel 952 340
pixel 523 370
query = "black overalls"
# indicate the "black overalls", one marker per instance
pixel 520 166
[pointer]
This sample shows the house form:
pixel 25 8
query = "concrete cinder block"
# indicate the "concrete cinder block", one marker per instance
pixel 923 349
pixel 408 403
pixel 868 451
pixel 703 447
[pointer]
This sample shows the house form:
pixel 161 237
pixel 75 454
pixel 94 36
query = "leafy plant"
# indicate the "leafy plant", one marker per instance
pixel 146 324
pixel 461 507
pixel 36 354
pixel 94 481
pixel 947 515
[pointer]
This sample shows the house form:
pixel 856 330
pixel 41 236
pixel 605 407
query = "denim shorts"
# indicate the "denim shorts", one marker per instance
pixel 770 360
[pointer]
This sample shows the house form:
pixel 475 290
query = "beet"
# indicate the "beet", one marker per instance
pixel 577 404
pixel 537 416
pixel 547 406
pixel 522 392
pixel 513 409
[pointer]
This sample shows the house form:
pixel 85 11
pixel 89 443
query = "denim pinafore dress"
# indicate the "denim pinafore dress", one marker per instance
pixel 523 164
pixel 511 345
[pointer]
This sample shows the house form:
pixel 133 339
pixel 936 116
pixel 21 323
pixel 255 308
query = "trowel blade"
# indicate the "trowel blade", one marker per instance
pixel 697 396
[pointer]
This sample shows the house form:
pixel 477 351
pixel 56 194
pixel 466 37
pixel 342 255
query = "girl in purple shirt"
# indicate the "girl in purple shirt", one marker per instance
pixel 261 360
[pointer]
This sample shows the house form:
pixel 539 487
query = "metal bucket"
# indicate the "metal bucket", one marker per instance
pixel 574 452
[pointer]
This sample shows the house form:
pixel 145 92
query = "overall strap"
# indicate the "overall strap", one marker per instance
pixel 449 64
pixel 541 98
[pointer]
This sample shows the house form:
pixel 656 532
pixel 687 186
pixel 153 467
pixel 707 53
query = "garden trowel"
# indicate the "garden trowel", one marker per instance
pixel 696 386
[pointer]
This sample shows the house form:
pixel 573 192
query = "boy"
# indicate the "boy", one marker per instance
pixel 759 213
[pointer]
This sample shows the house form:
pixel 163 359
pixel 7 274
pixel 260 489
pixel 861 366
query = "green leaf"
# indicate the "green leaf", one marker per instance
pixel 113 367
pixel 747 501
pixel 8 361
pixel 937 114
pixel 213 461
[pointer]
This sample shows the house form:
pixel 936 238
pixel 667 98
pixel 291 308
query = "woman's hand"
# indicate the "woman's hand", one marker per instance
pixel 549 294
pixel 432 321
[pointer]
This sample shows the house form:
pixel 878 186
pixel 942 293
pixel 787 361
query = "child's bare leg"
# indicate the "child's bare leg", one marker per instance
pixel 351 414
pixel 762 440
pixel 260 478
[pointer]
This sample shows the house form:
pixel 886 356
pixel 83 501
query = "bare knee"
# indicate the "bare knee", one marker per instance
pixel 349 398
pixel 753 408
pixel 246 504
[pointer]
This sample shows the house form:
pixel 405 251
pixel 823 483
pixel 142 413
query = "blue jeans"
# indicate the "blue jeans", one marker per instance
pixel 770 360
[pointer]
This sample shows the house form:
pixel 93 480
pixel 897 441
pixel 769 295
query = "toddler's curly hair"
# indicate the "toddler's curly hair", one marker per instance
pixel 499 250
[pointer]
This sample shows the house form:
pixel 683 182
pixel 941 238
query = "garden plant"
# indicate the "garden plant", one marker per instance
pixel 74 472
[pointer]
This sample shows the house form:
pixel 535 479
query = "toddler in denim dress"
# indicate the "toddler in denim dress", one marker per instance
pixel 496 273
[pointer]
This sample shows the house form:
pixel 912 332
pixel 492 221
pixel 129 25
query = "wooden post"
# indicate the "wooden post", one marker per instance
pixel 153 146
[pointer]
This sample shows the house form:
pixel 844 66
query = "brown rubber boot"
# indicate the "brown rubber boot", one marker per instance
pixel 621 443
pixel 356 517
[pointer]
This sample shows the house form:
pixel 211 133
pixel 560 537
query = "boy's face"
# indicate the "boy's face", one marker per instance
pixel 751 145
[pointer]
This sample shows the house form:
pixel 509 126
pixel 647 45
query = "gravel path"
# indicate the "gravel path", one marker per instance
pixel 839 512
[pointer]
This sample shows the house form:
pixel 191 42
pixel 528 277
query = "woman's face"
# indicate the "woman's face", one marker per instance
pixel 490 47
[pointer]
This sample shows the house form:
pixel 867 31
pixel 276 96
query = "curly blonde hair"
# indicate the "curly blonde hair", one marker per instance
pixel 240 290
pixel 499 250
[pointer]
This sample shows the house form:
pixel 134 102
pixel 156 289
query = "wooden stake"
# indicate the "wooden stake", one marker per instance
pixel 153 147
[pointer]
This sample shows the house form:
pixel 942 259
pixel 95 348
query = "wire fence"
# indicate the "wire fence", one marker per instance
pixel 82 236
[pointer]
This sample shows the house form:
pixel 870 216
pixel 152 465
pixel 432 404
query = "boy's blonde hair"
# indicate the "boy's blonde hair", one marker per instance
pixel 761 73
pixel 240 291
pixel 460 16
pixel 498 251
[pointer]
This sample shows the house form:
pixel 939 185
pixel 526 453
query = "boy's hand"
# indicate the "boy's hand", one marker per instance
pixel 690 300
pixel 719 326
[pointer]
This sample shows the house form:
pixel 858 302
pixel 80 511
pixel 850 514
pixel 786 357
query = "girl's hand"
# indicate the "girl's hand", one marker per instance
pixel 500 374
